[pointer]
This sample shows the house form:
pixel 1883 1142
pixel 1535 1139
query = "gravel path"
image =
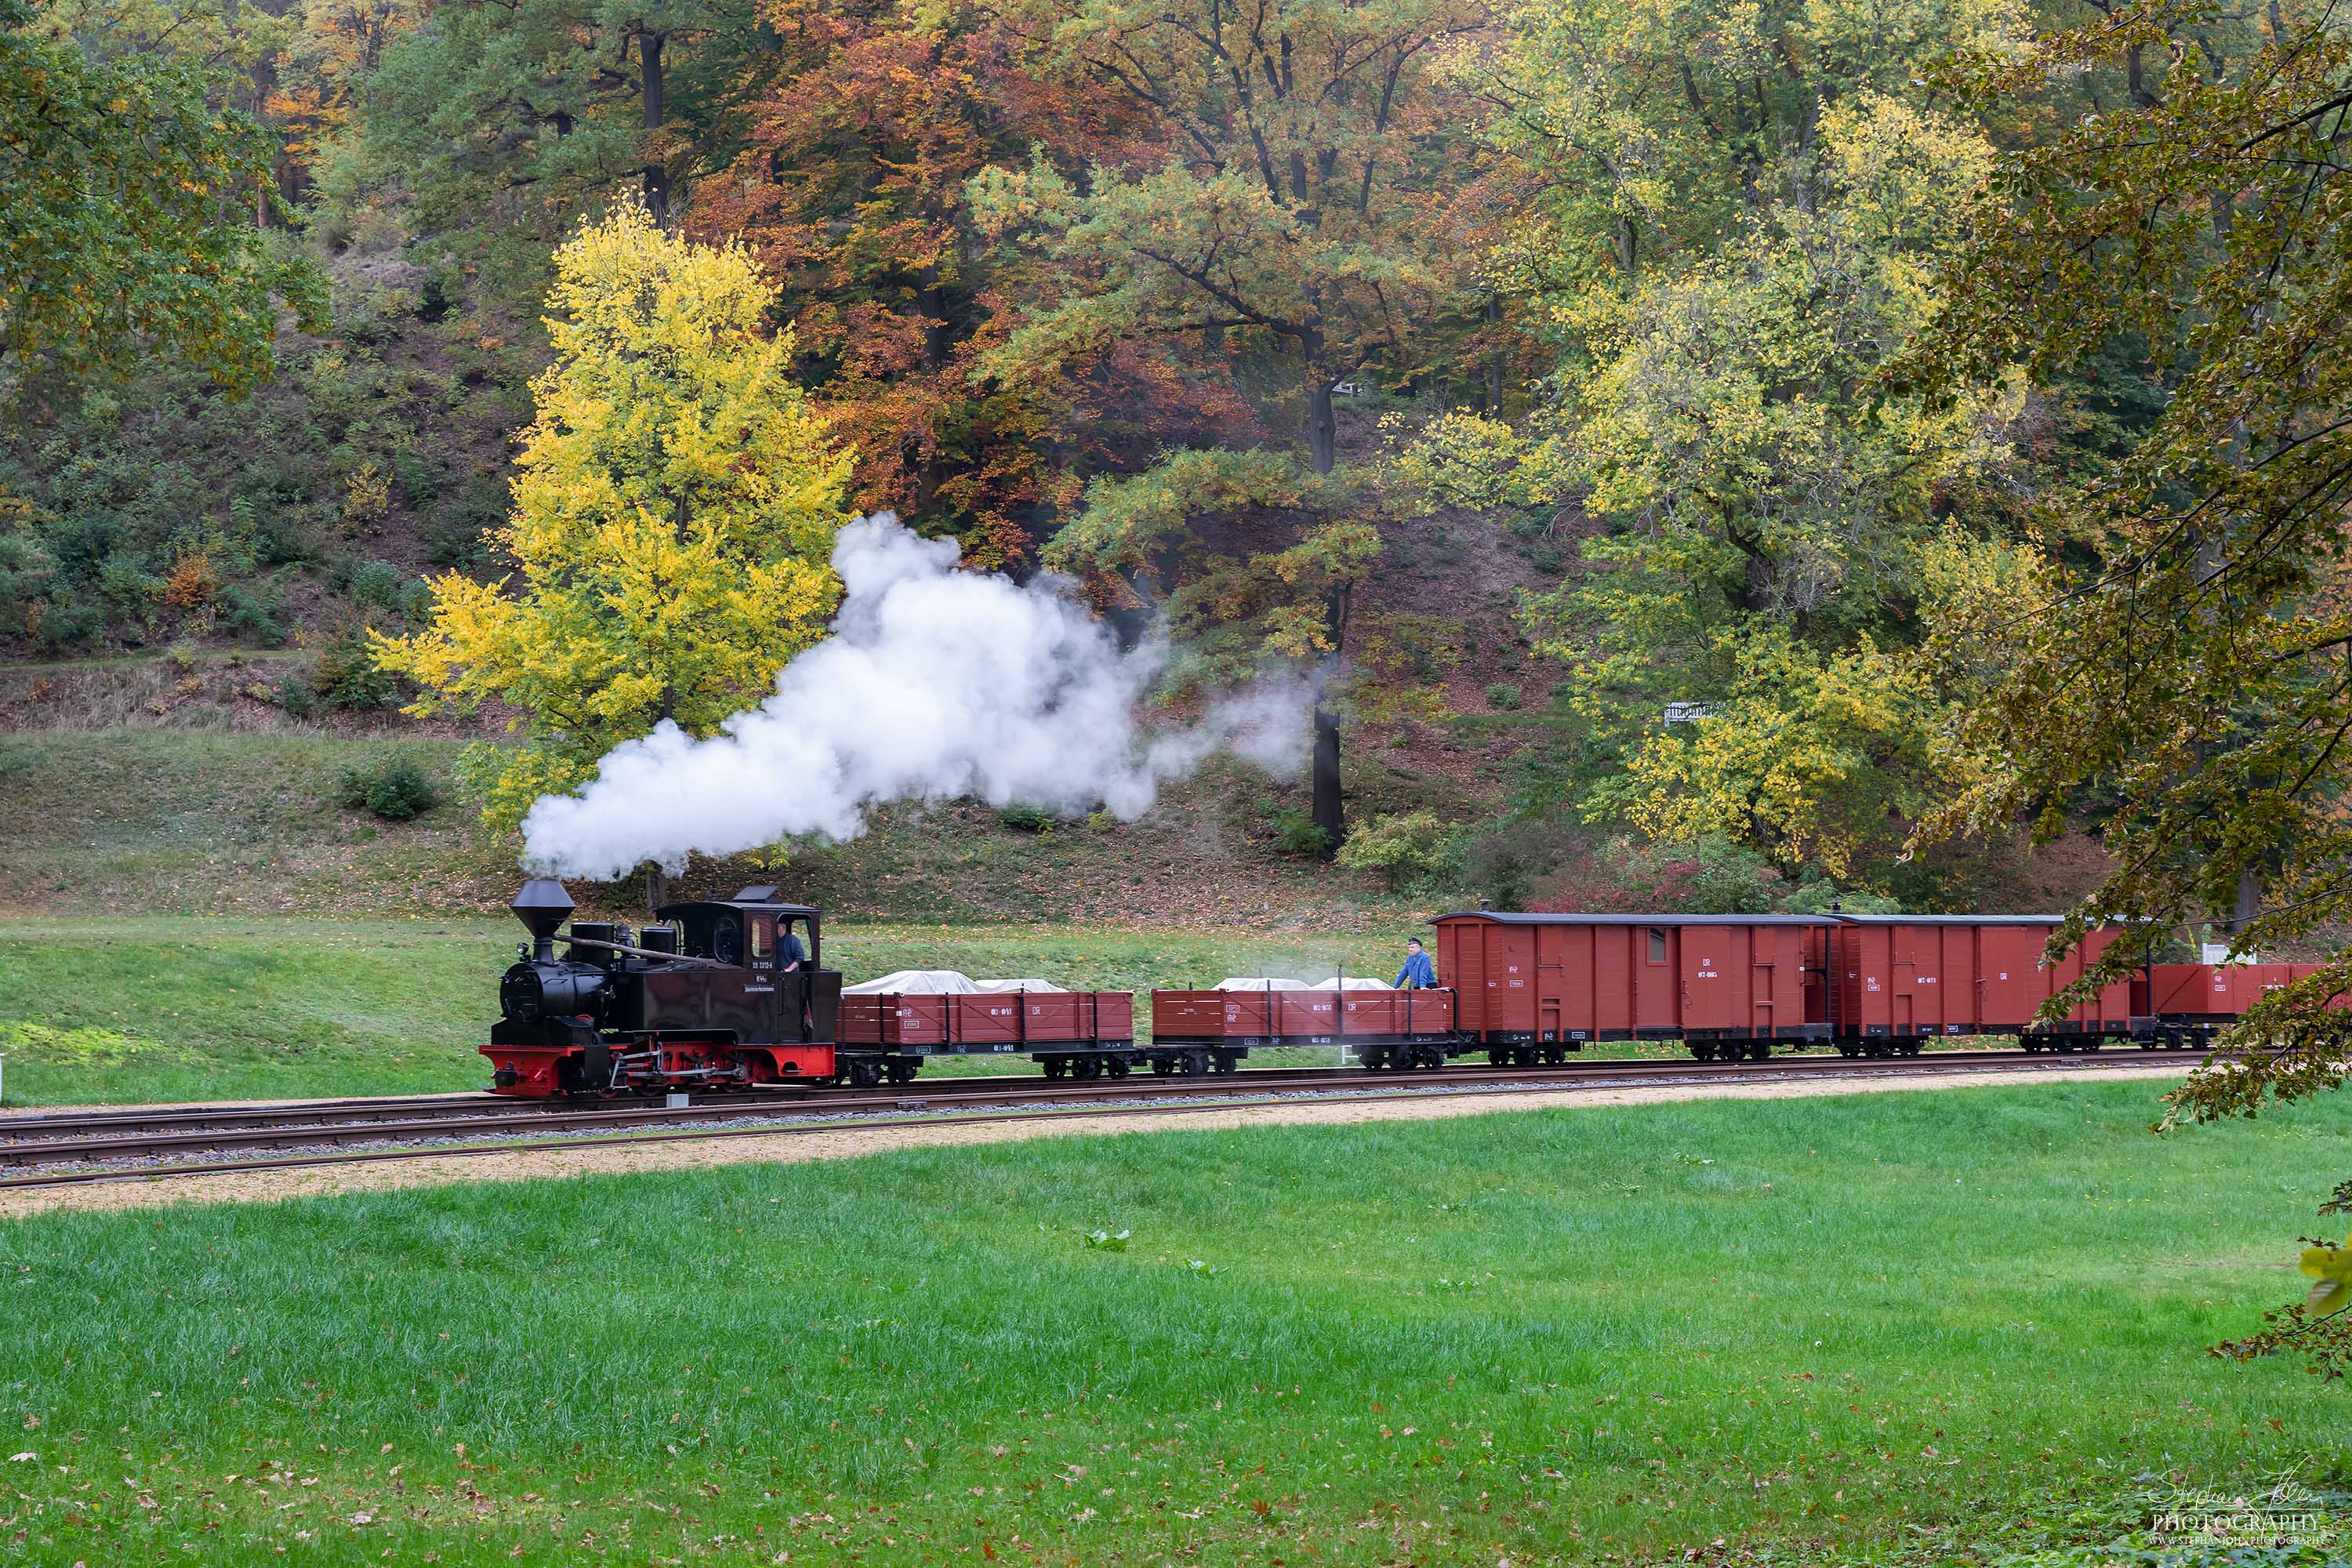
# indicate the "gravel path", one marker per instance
pixel 852 1139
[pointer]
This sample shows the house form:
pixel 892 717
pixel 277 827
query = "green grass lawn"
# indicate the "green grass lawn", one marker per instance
pixel 119 1010
pixel 1920 1328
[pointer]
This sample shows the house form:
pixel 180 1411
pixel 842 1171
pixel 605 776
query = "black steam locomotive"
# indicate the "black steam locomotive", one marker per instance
pixel 723 994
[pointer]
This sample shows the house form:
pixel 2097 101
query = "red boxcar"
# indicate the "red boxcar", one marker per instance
pixel 2219 993
pixel 1907 976
pixel 1385 1028
pixel 1558 980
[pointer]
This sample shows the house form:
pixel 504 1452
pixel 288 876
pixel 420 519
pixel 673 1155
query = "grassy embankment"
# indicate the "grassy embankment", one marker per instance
pixel 189 1008
pixel 129 820
pixel 1904 1328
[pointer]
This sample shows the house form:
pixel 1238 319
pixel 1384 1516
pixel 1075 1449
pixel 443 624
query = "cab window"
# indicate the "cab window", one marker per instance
pixel 727 940
pixel 763 942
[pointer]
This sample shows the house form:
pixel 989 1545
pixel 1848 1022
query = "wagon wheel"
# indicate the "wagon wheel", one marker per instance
pixel 1119 1067
pixel 1085 1066
pixel 1161 1067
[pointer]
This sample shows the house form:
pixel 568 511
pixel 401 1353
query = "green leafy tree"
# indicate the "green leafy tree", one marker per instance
pixel 554 101
pixel 1745 213
pixel 1300 202
pixel 2184 661
pixel 125 191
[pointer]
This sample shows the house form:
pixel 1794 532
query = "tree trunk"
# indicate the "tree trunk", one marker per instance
pixel 656 888
pixel 649 55
pixel 1330 811
pixel 1322 445
pixel 1322 424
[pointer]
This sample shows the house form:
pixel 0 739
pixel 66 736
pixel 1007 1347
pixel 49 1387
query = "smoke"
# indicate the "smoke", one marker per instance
pixel 935 684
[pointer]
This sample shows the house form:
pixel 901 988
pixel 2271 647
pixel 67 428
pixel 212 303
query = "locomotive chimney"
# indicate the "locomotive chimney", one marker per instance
pixel 543 905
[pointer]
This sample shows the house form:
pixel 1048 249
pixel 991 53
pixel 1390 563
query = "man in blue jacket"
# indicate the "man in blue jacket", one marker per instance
pixel 1418 973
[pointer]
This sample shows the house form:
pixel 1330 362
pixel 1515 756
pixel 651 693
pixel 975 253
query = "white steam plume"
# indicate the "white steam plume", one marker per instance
pixel 935 683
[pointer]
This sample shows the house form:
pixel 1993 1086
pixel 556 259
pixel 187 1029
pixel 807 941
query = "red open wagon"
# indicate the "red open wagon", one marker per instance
pixel 906 1017
pixel 1381 1028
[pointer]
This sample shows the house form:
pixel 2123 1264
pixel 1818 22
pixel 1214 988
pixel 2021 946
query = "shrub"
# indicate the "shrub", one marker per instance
pixel 1026 818
pixel 254 612
pixel 1296 833
pixel 444 290
pixel 1504 863
pixel 181 657
pixel 367 494
pixel 1402 849
pixel 394 790
pixel 193 583
pixel 296 695
pixel 420 482
pixel 348 676
pixel 377 584
pixel 1503 695
pixel 126 584
pixel 63 625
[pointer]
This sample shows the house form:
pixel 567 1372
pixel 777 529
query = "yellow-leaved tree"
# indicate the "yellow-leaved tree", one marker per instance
pixel 672 527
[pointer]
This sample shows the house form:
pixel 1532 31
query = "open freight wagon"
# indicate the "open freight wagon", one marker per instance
pixel 1374 1025
pixel 889 1026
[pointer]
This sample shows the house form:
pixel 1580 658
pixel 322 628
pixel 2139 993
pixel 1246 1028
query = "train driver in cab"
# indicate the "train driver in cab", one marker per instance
pixel 790 954
pixel 1418 974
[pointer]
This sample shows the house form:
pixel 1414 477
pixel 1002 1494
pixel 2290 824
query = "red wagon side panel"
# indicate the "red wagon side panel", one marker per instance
pixel 987 1018
pixel 1570 978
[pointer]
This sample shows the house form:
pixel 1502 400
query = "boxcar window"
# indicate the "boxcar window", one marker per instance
pixel 727 940
pixel 763 930
pixel 1657 945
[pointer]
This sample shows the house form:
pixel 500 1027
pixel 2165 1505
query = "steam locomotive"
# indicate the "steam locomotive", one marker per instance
pixel 704 999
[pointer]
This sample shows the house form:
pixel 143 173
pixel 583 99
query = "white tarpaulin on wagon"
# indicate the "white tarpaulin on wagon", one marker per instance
pixel 1256 983
pixel 939 983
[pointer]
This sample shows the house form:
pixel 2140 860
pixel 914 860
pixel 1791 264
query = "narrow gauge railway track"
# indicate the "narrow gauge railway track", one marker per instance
pixel 1000 1099
pixel 36 1127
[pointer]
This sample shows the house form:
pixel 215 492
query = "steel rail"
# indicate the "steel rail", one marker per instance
pixel 1030 1100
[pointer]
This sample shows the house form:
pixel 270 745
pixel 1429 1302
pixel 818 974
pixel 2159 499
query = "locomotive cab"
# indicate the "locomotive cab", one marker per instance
pixel 701 999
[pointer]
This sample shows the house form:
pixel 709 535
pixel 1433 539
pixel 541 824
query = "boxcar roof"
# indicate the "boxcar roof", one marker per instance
pixel 1952 920
pixel 1512 919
